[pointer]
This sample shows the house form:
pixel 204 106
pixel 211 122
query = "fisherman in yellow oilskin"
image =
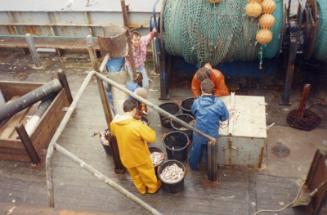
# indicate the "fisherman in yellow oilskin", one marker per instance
pixel 132 137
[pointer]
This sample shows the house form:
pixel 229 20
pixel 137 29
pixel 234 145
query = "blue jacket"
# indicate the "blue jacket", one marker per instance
pixel 208 111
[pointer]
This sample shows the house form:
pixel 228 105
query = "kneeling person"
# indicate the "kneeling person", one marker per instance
pixel 132 137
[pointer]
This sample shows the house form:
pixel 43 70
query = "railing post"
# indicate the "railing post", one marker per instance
pixel 90 49
pixel 32 49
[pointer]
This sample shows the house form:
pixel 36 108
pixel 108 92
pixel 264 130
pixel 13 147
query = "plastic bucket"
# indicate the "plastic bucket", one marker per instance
pixel 171 108
pixel 171 187
pixel 155 149
pixel 186 105
pixel 176 143
pixel 115 64
pixel 178 127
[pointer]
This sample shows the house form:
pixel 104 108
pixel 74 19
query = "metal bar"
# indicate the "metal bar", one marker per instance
pixel 42 36
pixel 102 67
pixel 61 127
pixel 105 102
pixel 290 68
pixel 130 55
pixel 305 94
pixel 106 180
pixel 124 13
pixel 153 106
pixel 31 46
pixel 90 49
pixel 27 144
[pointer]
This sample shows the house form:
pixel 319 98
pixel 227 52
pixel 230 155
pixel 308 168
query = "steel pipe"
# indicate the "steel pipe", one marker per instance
pixel 9 109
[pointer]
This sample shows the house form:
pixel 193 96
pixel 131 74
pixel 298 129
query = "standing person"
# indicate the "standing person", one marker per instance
pixel 217 78
pixel 208 111
pixel 132 137
pixel 139 45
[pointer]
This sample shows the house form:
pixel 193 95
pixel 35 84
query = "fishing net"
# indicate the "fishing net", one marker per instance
pixel 203 32
pixel 321 47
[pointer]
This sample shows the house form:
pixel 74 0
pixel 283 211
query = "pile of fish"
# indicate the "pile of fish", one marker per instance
pixel 157 158
pixel 103 138
pixel 172 174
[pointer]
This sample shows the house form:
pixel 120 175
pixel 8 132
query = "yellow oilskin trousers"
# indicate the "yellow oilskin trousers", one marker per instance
pixel 144 178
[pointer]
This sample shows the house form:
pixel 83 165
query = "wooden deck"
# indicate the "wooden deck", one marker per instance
pixel 238 191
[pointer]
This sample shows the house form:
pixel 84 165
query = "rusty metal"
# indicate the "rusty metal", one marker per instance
pixel 261 156
pixel 310 21
pixel 302 118
pixel 305 94
pixel 294 43
pixel 113 42
pixel 315 185
pixel 32 49
pixel 125 13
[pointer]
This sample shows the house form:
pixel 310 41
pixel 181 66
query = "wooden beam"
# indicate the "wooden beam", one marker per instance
pixel 28 144
pixel 63 80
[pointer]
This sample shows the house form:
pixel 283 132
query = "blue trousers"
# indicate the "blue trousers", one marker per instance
pixel 199 150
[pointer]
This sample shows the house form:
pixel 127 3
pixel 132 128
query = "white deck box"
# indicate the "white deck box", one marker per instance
pixel 243 141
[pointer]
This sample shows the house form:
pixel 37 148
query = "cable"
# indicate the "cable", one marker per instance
pixel 283 208
pixel 295 199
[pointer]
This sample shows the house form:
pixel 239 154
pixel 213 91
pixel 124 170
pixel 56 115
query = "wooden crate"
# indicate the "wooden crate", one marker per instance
pixel 30 148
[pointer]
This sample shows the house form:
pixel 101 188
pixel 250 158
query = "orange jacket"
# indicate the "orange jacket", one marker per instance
pixel 132 137
pixel 217 79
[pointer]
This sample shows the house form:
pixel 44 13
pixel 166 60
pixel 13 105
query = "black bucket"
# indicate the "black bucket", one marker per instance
pixel 186 105
pixel 172 187
pixel 176 143
pixel 171 108
pixel 155 149
pixel 178 127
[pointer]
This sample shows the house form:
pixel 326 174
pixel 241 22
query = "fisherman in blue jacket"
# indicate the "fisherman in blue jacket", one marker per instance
pixel 209 111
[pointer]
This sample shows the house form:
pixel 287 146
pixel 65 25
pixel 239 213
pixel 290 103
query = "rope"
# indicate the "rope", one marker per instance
pixel 321 48
pixel 203 32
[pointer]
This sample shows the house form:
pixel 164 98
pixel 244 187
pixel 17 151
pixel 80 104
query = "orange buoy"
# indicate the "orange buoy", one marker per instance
pixel 264 36
pixel 214 1
pixel 267 21
pixel 268 6
pixel 253 9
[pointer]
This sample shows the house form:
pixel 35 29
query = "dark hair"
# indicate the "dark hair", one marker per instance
pixel 129 105
pixel 135 34
pixel 203 73
pixel 207 86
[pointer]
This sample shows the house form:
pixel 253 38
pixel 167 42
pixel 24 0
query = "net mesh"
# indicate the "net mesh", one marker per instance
pixel 203 32
pixel 321 44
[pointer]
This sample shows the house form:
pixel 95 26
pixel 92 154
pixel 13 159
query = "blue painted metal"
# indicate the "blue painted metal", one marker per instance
pixel 115 64
pixel 230 69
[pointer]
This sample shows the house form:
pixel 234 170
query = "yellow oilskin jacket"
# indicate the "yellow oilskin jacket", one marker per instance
pixel 132 137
